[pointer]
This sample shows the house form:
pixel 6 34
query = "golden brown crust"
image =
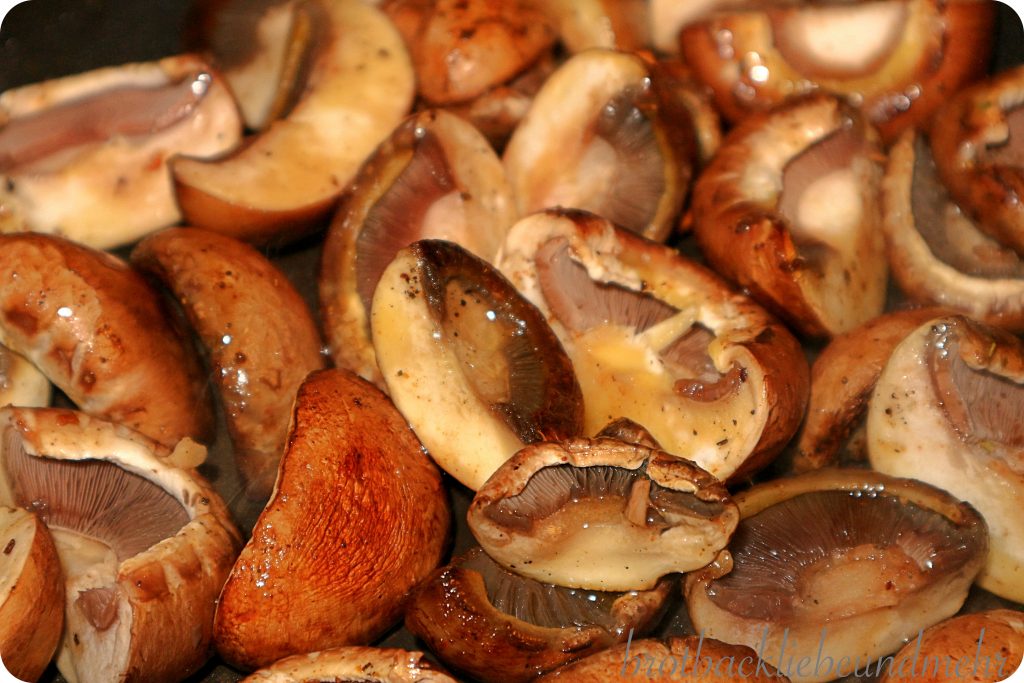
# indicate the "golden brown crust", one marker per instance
pixel 371 664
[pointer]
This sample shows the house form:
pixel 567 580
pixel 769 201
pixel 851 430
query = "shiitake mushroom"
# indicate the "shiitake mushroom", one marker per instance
pixel 355 663
pixel 21 382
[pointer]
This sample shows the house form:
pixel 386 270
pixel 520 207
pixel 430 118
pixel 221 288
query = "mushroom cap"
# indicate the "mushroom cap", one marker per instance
pixel 371 664
pixel 611 24
pixel 21 383
pixel 145 546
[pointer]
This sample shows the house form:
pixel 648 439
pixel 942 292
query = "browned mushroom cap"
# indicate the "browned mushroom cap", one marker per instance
pixel 435 177
pixel 677 81
pixel 938 255
pixel 669 660
pixel 500 627
pixel 101 334
pixel 613 24
pixel 658 339
pixel 601 514
pixel 974 648
pixel 145 546
pixel 21 383
pixel 603 135
pixel 364 664
pixel 358 517
pixel 978 141
pixel 842 565
pixel 470 363
pixel 946 410
pixel 899 60
pixel 789 209
pixel 31 595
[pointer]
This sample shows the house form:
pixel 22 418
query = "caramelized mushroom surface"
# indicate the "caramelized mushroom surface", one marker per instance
pixel 21 383
pixel 363 664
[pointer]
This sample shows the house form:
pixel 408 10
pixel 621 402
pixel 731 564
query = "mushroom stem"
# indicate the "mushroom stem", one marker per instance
pixel 636 506
pixel 661 335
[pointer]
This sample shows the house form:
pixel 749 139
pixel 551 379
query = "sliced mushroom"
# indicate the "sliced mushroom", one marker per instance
pixel 499 627
pixel 898 59
pixel 369 664
pixel 101 334
pixel 281 184
pixel 946 410
pixel 357 518
pixel 940 256
pixel 145 547
pixel 601 514
pixel 21 383
pixel 603 134
pixel 838 567
pixel 31 595
pixel 84 156
pixel 658 339
pixel 611 24
pixel 470 363
pixel 789 209
pixel 435 177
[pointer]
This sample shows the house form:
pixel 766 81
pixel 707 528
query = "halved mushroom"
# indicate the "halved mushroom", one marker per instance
pixel 101 334
pixel 658 339
pixel 898 59
pixel 837 566
pixel 789 209
pixel 611 24
pixel 978 141
pixel 145 546
pixel 937 254
pixel 364 664
pixel 603 134
pixel 281 184
pixel 31 595
pixel 601 514
pixel 946 410
pixel 435 177
pixel 21 383
pixel 357 518
pixel 84 156
pixel 470 363
pixel 500 627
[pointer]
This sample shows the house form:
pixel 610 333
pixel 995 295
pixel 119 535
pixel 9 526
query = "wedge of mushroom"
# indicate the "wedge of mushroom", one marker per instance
pixel 283 182
pixel 790 210
pixel 603 135
pixel 85 156
pixel 31 595
pixel 369 664
pixel 898 59
pixel 946 410
pixel 838 564
pixel 658 339
pixel 435 177
pixel 499 627
pixel 470 363
pixel 145 547
pixel 21 383
pixel 102 335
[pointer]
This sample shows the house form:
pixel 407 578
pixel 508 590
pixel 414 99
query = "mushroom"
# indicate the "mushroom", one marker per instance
pixel 657 338
pixel 789 209
pixel 499 627
pixel 357 518
pixel 603 134
pixel 100 333
pixel 668 17
pixel 601 514
pixel 21 383
pixel 280 185
pixel 31 595
pixel 369 664
pixel 435 177
pixel 470 363
pixel 898 59
pixel 145 547
pixel 259 336
pixel 938 255
pixel 946 410
pixel 84 156
pixel 832 569
pixel 611 24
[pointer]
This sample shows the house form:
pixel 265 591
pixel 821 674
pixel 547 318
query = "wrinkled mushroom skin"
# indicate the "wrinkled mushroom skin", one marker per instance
pixel 21 383
pixel 434 177
pixel 85 156
pixel 358 517
pixel 102 335
pixel 901 60
pixel 789 209
pixel 946 410
pixel 976 139
pixel 259 336
pixel 285 181
pixel 369 664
